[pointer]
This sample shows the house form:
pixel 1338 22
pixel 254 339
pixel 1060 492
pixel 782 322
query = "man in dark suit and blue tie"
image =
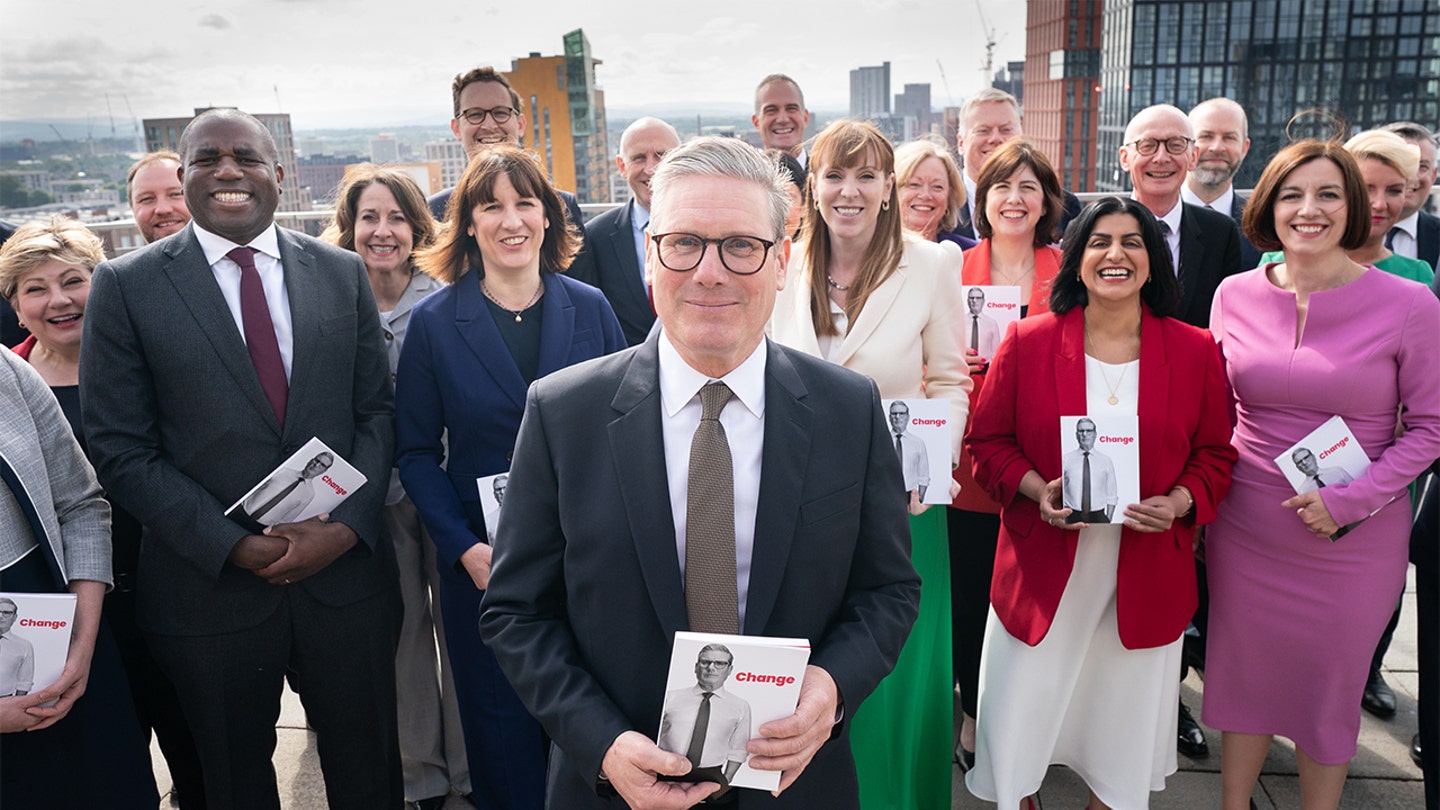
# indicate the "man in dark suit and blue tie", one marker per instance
pixel 614 254
pixel 1222 140
pixel 209 358
pixel 1417 234
pixel 707 480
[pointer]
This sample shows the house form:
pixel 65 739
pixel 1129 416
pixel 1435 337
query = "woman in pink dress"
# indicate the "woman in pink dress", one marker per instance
pixel 1295 611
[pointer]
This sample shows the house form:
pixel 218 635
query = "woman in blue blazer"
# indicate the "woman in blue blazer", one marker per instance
pixel 507 318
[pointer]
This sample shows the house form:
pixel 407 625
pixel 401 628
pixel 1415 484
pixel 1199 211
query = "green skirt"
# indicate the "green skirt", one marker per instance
pixel 902 734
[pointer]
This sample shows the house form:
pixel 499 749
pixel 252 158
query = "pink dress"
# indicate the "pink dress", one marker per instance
pixel 1294 618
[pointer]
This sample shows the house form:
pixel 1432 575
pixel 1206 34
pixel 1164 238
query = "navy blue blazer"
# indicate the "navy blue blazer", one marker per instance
pixel 456 375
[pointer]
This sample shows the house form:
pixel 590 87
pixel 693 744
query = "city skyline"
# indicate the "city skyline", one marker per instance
pixel 333 64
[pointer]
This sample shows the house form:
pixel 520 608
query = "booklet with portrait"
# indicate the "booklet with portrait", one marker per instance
pixel 735 684
pixel 920 433
pixel 989 310
pixel 1109 446
pixel 492 499
pixel 36 628
pixel 311 482
pixel 1329 455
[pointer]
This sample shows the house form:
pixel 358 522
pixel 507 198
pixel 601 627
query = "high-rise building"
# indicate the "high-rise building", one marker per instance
pixel 1373 61
pixel 320 176
pixel 1011 79
pixel 565 117
pixel 164 133
pixel 1061 84
pixel 915 103
pixel 870 91
pixel 451 156
pixel 384 149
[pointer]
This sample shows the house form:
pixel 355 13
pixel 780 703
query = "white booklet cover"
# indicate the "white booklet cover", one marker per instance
pixel 1110 447
pixel 35 638
pixel 735 684
pixel 1327 456
pixel 311 482
pixel 989 309
pixel 920 433
pixel 492 498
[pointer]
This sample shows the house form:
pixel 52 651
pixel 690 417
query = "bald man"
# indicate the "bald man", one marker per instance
pixel 1158 153
pixel 614 255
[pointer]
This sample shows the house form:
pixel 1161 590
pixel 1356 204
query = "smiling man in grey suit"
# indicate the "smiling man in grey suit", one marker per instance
pixel 208 359
pixel 614 255
pixel 706 480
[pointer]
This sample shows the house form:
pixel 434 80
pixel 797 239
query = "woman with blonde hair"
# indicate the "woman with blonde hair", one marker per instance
pixel 931 192
pixel 866 295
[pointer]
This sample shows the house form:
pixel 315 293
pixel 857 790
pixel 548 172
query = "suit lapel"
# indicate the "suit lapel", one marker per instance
pixel 1192 256
pixel 557 327
pixel 789 427
pixel 302 277
pixel 187 270
pixel 634 304
pixel 477 330
pixel 1154 405
pixel 638 452
pixel 1070 366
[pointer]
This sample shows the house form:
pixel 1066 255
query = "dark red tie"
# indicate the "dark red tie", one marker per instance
pixel 260 333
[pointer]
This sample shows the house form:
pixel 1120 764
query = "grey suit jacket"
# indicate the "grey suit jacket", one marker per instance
pixel 179 426
pixel 36 442
pixel 587 594
pixel 609 262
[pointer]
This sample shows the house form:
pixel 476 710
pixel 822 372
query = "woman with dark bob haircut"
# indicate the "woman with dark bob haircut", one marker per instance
pixel 1018 203
pixel 1088 607
pixel 1295 607
pixel 508 318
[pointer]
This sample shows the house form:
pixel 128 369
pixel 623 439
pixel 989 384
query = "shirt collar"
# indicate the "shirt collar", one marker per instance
pixel 639 217
pixel 216 247
pixel 1409 224
pixel 1223 203
pixel 679 383
pixel 1172 217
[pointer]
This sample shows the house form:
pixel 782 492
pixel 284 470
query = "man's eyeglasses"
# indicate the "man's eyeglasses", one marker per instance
pixel 1177 145
pixel 476 115
pixel 682 252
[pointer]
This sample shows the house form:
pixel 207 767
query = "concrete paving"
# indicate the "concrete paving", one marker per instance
pixel 1382 775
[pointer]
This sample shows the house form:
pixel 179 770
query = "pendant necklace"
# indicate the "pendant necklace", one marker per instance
pixel 515 312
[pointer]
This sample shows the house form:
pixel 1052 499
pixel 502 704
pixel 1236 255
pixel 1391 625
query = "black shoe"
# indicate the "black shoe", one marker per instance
pixel 1415 749
pixel 966 759
pixel 1191 739
pixel 1378 698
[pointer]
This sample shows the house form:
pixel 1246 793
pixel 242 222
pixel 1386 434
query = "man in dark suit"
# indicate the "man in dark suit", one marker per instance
pixel 1158 152
pixel 487 113
pixel 988 119
pixel 614 254
pixel 740 487
pixel 209 358
pixel 1417 234
pixel 1222 140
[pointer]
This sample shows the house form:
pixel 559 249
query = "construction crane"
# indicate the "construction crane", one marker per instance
pixel 135 122
pixel 949 99
pixel 989 32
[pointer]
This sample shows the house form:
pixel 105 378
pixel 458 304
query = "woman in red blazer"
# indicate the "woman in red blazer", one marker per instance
pixel 1084 637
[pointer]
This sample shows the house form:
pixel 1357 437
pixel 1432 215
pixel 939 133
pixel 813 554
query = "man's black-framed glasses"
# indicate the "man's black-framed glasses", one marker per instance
pixel 1177 145
pixel 682 252
pixel 476 115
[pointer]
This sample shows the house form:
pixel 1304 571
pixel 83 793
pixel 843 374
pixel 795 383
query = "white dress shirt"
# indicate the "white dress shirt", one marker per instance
pixel 639 221
pixel 744 421
pixel 1403 242
pixel 272 279
pixel 1223 203
pixel 1172 239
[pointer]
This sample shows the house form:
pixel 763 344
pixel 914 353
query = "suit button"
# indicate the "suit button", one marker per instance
pixel 389 335
pixel 510 455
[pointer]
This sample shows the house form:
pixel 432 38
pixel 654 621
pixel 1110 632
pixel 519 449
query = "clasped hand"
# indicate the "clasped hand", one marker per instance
pixel 290 552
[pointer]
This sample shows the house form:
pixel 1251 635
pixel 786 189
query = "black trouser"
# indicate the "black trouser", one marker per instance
pixel 972 562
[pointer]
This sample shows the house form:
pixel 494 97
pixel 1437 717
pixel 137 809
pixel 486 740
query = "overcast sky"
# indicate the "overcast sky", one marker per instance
pixel 359 63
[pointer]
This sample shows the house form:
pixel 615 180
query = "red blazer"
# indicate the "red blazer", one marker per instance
pixel 976 271
pixel 1037 376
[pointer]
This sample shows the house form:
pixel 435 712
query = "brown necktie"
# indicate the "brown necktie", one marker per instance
pixel 710 590
pixel 260 339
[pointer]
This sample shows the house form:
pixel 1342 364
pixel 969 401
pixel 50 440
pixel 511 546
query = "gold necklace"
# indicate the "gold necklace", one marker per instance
pixel 1113 399
pixel 516 312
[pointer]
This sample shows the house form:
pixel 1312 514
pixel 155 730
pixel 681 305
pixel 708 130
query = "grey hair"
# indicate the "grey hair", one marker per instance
pixel 715 648
pixel 1411 131
pixel 989 95
pixel 713 156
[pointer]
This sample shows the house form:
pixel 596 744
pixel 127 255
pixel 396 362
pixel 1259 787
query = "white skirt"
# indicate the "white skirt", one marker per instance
pixel 1078 698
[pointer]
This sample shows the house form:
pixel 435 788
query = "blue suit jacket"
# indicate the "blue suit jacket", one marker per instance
pixel 456 375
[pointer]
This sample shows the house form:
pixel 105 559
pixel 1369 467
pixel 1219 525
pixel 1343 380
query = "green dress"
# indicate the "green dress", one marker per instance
pixel 1394 264
pixel 902 734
